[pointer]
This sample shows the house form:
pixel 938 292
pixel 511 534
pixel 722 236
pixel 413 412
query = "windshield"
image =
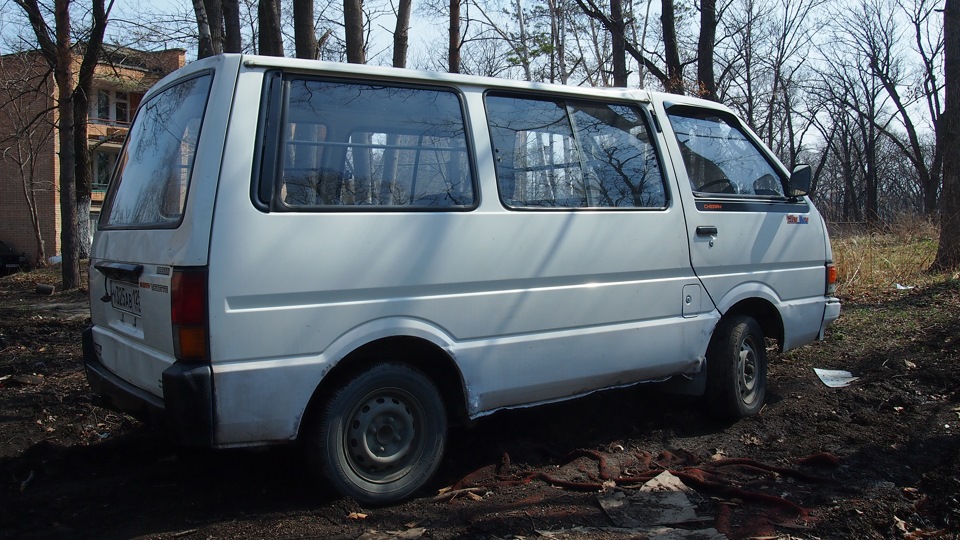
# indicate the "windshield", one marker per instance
pixel 153 172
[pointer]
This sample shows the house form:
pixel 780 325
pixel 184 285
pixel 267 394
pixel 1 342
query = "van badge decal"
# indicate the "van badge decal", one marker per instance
pixel 798 219
pixel 713 207
pixel 163 270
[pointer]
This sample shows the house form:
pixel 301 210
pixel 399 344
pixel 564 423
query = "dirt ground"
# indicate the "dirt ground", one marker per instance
pixel 877 459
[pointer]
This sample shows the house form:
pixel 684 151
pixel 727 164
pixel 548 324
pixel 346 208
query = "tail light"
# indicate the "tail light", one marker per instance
pixel 188 315
pixel 831 288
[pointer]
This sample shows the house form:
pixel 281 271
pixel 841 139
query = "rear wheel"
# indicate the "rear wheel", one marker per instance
pixel 736 369
pixel 382 434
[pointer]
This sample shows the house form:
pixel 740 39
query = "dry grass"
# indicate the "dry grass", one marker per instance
pixel 881 260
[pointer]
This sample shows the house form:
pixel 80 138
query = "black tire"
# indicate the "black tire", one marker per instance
pixel 736 369
pixel 381 435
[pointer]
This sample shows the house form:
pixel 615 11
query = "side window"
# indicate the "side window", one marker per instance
pixel 347 144
pixel 538 164
pixel 619 157
pixel 571 154
pixel 720 158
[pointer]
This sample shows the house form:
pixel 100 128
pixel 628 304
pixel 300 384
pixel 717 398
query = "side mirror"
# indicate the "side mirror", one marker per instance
pixel 800 180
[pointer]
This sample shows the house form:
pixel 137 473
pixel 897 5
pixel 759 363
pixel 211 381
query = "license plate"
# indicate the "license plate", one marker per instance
pixel 125 297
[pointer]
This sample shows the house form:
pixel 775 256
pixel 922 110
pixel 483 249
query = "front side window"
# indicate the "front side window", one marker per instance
pixel 719 156
pixel 554 153
pixel 371 145
pixel 154 168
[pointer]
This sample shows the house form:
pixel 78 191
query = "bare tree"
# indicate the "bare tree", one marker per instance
pixel 305 36
pixel 81 104
pixel 206 46
pixel 214 9
pixel 57 50
pixel 26 115
pixel 705 47
pixel 401 33
pixel 232 38
pixel 353 31
pixel 270 36
pixel 671 84
pixel 948 252
pixel 874 31
pixel 453 50
pixel 674 77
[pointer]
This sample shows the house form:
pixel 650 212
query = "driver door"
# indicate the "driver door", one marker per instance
pixel 747 237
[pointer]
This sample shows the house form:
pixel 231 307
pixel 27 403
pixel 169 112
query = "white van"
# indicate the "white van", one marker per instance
pixel 355 257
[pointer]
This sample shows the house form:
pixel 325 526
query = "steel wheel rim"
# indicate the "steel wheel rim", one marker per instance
pixel 747 371
pixel 382 439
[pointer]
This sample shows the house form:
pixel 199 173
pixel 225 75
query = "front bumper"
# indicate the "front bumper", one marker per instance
pixel 185 411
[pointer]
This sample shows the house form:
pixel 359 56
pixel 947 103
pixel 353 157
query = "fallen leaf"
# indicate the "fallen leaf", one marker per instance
pixel 356 515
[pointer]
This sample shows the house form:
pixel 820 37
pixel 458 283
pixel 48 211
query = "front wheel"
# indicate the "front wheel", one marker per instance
pixel 736 369
pixel 381 435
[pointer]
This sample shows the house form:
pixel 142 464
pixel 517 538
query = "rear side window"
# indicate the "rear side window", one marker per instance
pixel 354 145
pixel 153 171
pixel 719 156
pixel 573 154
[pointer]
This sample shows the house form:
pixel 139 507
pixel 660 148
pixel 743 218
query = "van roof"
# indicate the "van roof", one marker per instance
pixel 436 77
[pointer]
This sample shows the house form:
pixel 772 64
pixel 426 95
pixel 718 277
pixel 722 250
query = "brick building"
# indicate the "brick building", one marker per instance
pixel 29 168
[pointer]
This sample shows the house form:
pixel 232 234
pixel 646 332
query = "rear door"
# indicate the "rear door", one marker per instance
pixel 748 239
pixel 156 217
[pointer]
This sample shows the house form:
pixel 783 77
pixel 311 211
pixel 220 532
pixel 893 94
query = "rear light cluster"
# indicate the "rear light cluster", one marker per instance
pixel 831 279
pixel 188 314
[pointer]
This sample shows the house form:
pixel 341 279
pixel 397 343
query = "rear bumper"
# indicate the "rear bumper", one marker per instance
pixel 185 411
pixel 831 311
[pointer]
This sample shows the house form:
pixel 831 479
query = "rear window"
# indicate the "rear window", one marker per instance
pixel 153 171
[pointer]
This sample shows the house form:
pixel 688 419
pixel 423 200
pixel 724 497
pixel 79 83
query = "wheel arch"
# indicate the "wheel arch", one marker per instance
pixel 415 351
pixel 763 311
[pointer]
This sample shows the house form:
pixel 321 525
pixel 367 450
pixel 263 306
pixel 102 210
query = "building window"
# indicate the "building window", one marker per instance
pixel 111 107
pixel 103 163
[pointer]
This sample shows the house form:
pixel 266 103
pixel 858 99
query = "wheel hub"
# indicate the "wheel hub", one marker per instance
pixel 747 372
pixel 381 436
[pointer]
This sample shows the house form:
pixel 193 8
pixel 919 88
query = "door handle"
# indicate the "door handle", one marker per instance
pixel 707 230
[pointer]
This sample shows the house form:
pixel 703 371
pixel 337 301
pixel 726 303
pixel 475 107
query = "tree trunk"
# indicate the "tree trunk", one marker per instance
pixel 215 19
pixel 708 37
pixel 872 210
pixel 27 163
pixel 618 44
pixel 453 54
pixel 558 61
pixel 232 41
pixel 948 253
pixel 271 41
pixel 205 44
pixel 304 33
pixel 401 34
pixel 353 31
pixel 674 80
pixel 63 74
pixel 81 104
pixel 523 51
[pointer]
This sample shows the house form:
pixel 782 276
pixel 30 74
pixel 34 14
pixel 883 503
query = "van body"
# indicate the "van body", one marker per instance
pixel 355 257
